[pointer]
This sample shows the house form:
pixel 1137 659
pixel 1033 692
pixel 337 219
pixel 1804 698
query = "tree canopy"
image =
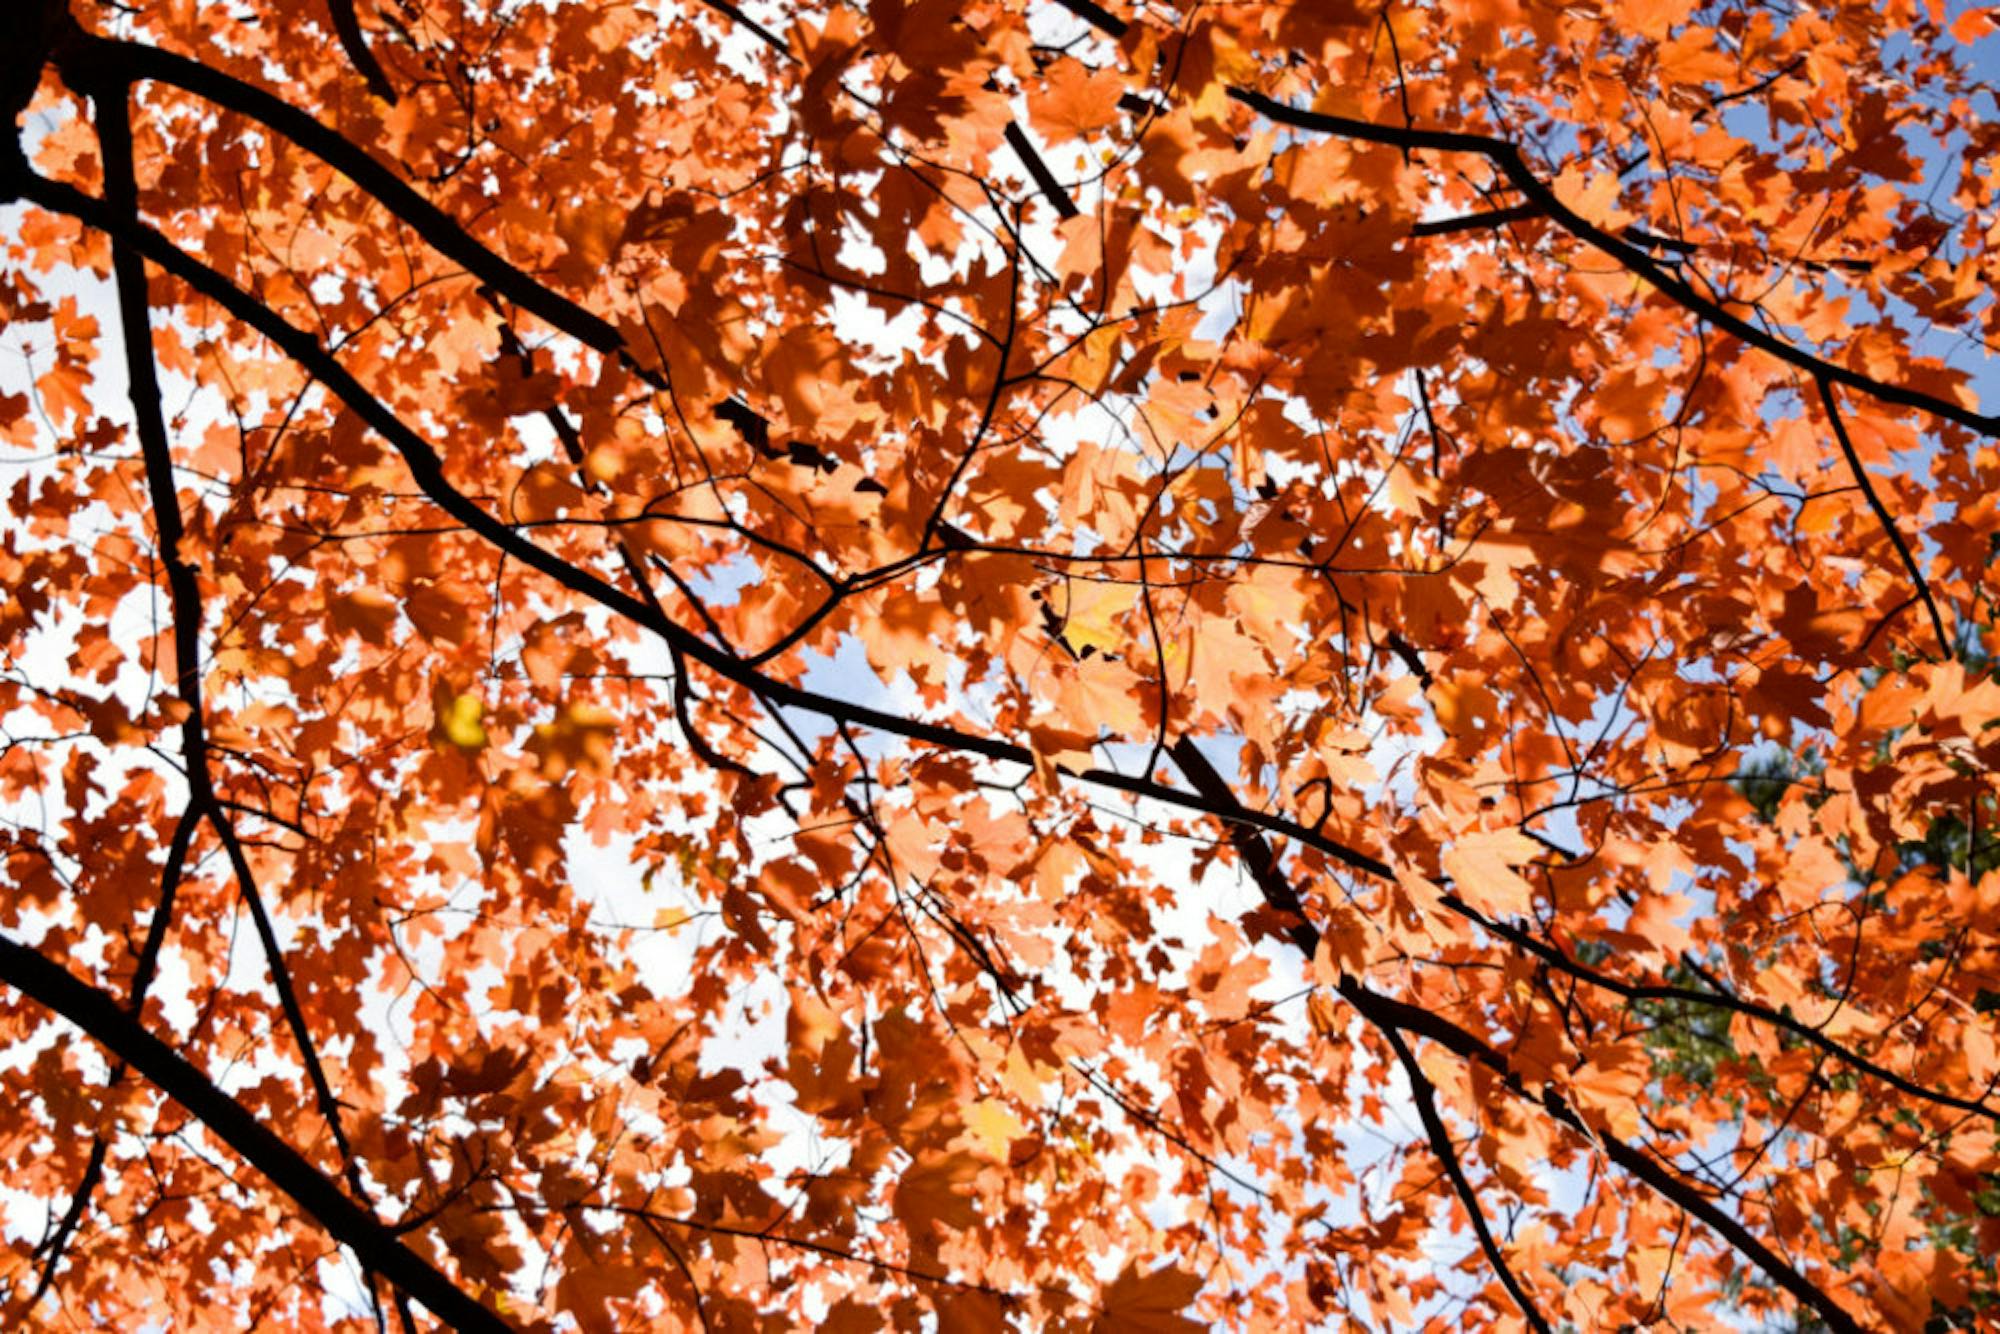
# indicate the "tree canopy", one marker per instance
pixel 999 664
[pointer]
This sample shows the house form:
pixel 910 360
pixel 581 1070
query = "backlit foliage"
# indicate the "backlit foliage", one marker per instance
pixel 999 665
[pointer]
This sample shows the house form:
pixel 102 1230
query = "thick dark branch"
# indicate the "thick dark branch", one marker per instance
pixel 1219 802
pixel 1389 1015
pixel 1097 16
pixel 114 133
pixel 1395 136
pixel 428 472
pixel 100 1016
pixel 1045 179
pixel 1212 796
pixel 133 60
pixel 1484 220
pixel 91 59
pixel 1447 1153
pixel 1652 241
pixel 50 1252
pixel 1279 893
pixel 1660 1177
pixel 1888 520
pixel 29 31
pixel 348 28
pixel 1656 1174
pixel 753 27
pixel 288 996
pixel 1507 157
pixel 1257 856
pixel 425 466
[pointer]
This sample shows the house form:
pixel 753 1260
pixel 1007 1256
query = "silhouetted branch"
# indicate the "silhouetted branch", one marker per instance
pixel 1096 16
pixel 87 59
pixel 752 26
pixel 1045 179
pixel 1484 220
pixel 1389 1014
pixel 114 132
pixel 1447 1153
pixel 1507 157
pixel 98 1015
pixel 1888 520
pixel 348 29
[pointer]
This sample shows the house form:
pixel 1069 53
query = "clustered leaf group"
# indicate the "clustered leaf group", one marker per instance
pixel 999 664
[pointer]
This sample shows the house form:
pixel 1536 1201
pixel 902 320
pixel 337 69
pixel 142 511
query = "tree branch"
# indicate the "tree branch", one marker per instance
pixel 1212 796
pixel 1096 16
pixel 1218 801
pixel 1045 179
pixel 1388 1014
pixel 85 59
pixel 348 28
pixel 427 471
pixel 98 1015
pixel 1507 157
pixel 1447 1153
pixel 1888 520
pixel 1484 220
pixel 114 133
pixel 753 27
pixel 143 970
pixel 1718 1000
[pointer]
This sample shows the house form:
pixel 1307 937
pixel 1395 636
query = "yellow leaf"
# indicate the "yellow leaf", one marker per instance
pixel 462 722
pixel 1091 617
pixel 992 1128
